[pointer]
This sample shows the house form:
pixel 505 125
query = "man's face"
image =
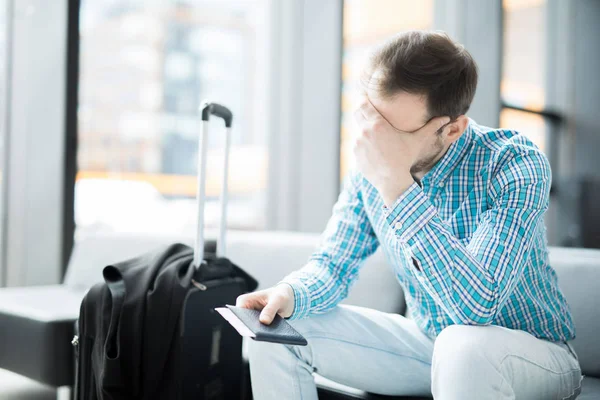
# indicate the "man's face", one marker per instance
pixel 408 112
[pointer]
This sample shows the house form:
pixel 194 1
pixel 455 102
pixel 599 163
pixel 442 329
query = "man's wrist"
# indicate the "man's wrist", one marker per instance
pixel 292 304
pixel 301 294
pixel 288 288
pixel 392 190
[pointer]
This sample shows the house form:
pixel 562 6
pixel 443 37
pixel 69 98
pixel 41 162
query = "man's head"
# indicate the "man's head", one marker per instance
pixel 417 79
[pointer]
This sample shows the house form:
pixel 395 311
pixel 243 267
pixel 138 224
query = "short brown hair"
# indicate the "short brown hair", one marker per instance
pixel 427 63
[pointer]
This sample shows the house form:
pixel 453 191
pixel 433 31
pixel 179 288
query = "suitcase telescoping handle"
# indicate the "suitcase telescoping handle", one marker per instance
pixel 207 109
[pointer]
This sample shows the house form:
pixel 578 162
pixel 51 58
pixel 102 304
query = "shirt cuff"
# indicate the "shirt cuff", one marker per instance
pixel 301 297
pixel 410 213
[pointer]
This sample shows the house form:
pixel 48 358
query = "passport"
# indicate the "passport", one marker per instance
pixel 247 323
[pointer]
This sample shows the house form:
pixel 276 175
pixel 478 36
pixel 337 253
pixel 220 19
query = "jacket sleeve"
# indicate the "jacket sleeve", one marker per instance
pixel 472 281
pixel 346 242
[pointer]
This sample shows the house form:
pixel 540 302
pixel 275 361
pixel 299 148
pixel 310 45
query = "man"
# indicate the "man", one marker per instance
pixel 458 209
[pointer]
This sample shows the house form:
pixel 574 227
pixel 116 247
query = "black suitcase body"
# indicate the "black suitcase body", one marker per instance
pixel 211 351
pixel 207 352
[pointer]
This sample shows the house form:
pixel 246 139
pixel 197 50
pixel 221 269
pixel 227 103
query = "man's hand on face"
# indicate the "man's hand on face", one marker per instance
pixel 385 156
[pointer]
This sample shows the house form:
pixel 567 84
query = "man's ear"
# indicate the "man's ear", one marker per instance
pixel 456 128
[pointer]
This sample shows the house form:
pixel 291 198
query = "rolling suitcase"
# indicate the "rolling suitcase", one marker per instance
pixel 218 374
pixel 202 358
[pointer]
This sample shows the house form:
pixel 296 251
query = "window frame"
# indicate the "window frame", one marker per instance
pixel 35 159
pixel 71 132
pixel 6 111
pixel 305 111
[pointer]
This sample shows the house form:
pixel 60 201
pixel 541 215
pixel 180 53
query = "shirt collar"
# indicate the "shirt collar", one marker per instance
pixel 449 161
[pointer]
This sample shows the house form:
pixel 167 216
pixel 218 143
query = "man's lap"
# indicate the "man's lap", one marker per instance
pixel 367 349
pixel 388 354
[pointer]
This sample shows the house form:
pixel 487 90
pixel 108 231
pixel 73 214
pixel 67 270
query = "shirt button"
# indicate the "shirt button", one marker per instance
pixel 439 320
pixel 398 225
pixel 441 184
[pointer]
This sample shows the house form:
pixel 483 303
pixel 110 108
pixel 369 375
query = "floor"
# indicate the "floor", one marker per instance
pixel 16 387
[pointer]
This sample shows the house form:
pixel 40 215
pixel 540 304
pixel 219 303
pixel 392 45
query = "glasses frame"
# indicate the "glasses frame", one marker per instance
pixel 437 132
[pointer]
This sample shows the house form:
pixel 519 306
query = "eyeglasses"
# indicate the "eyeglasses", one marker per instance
pixel 416 130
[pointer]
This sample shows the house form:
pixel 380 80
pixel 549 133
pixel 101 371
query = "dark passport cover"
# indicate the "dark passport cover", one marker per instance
pixel 279 331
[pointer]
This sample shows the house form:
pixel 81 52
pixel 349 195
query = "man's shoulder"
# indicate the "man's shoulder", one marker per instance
pixel 503 147
pixel 497 140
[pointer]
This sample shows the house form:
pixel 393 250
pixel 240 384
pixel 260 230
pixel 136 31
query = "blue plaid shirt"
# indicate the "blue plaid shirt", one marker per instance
pixel 467 244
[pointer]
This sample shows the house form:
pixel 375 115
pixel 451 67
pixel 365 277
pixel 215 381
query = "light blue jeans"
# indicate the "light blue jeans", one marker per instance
pixel 388 354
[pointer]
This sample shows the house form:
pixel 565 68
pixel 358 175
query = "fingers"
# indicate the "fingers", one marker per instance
pixel 367 109
pixel 367 117
pixel 359 117
pixel 268 313
pixel 242 301
pixel 370 119
pixel 253 301
pixel 257 301
pixel 279 301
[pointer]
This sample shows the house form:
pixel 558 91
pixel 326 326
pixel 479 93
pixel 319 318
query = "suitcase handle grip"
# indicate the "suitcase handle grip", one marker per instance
pixel 208 108
pixel 216 110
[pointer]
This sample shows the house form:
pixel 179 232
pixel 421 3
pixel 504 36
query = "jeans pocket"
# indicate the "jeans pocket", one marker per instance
pixel 572 351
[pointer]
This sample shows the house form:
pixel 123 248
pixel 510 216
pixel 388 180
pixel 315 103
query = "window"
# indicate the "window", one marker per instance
pixel 524 71
pixel 524 60
pixel 145 67
pixel 366 23
pixel 530 124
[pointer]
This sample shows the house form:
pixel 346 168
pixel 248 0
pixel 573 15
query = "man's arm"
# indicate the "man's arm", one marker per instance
pixel 472 282
pixel 347 241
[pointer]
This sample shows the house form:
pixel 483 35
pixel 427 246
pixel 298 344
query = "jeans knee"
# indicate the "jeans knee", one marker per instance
pixel 460 348
pixel 466 360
